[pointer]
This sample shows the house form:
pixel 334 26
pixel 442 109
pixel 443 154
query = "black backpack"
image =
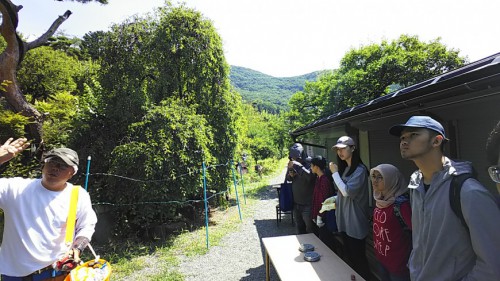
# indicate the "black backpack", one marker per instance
pixel 455 188
pixel 397 212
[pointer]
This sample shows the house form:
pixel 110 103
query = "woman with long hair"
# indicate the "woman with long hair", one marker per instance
pixel 351 180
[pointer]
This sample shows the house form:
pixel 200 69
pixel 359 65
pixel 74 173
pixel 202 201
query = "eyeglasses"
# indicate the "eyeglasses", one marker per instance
pixel 377 178
pixel 56 164
pixel 494 172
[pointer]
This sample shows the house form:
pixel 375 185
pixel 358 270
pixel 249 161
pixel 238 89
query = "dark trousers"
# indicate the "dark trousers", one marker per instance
pixel 303 221
pixel 355 253
pixel 326 237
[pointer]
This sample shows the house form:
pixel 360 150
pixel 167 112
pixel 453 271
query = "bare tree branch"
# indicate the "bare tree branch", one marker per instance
pixel 52 29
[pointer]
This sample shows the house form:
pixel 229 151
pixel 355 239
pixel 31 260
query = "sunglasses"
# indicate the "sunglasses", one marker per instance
pixel 494 172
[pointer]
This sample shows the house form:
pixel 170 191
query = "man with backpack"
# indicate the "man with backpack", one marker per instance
pixel 443 247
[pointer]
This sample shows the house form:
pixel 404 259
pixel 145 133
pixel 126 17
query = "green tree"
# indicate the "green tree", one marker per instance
pixel 309 104
pixel 191 66
pixel 265 136
pixel 44 72
pixel 60 113
pixel 70 46
pixel 370 72
pixel 171 61
pixel 12 55
pixel 166 148
pixel 92 45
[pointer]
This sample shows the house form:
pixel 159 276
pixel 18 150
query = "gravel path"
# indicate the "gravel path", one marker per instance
pixel 240 255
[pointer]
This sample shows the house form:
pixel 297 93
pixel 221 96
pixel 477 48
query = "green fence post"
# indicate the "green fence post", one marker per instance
pixel 235 188
pixel 206 201
pixel 242 184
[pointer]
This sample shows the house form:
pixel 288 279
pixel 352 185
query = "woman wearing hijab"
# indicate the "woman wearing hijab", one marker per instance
pixel 392 214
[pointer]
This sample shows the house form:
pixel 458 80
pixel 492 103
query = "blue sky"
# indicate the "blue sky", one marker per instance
pixel 293 37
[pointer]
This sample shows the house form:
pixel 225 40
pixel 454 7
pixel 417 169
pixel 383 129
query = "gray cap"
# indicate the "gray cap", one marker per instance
pixel 342 142
pixel 69 156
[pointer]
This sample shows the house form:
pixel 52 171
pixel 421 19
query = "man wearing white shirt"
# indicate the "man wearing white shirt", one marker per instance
pixel 35 213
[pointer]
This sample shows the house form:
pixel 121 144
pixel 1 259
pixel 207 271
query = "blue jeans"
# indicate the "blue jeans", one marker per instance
pixel 303 221
pixel 385 275
pixel 36 277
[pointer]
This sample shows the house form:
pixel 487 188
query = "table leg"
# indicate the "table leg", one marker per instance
pixel 268 278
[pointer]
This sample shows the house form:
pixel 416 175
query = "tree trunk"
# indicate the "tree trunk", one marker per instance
pixel 12 56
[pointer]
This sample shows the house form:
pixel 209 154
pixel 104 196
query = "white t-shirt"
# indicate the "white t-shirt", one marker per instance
pixel 35 224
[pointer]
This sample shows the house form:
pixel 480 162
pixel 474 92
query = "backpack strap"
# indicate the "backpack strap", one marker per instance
pixel 455 202
pixel 397 212
pixel 70 222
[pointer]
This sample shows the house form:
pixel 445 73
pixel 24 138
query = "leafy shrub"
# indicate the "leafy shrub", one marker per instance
pixel 165 150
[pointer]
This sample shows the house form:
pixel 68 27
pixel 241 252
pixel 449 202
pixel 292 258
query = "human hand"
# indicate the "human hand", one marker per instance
pixel 333 167
pixel 69 261
pixel 290 164
pixel 75 253
pixel 11 148
pixel 319 221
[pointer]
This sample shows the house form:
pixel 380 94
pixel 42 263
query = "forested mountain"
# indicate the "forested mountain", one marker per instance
pixel 267 92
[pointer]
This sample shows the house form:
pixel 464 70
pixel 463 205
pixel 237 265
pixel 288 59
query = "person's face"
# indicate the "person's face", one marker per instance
pixel 415 142
pixel 55 174
pixel 314 169
pixel 378 183
pixel 345 153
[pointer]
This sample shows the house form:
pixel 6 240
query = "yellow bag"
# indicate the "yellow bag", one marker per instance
pixel 93 270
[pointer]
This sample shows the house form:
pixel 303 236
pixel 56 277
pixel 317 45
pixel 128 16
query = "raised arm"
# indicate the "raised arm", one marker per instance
pixel 11 148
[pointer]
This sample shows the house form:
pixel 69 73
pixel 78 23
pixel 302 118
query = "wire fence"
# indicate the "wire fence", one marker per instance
pixel 206 198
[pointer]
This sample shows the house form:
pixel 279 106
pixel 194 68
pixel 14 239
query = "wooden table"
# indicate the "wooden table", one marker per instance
pixel 283 252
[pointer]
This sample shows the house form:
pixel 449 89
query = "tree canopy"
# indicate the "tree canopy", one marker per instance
pixel 13 54
pixel 163 106
pixel 369 72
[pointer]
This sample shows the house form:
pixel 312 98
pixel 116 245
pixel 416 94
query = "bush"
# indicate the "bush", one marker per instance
pixel 166 151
